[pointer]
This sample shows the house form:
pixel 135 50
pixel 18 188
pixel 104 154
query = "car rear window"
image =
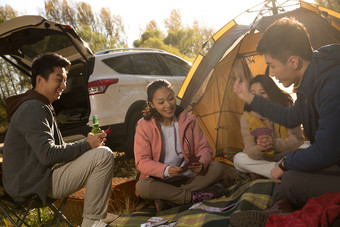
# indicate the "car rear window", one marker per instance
pixel 147 64
pixel 121 64
pixel 176 66
pixel 139 64
pixel 48 43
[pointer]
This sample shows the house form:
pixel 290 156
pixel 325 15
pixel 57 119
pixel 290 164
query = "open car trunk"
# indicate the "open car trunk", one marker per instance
pixel 23 38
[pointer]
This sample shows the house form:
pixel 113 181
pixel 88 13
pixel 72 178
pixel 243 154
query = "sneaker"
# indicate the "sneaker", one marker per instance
pixel 93 223
pixel 109 218
pixel 99 224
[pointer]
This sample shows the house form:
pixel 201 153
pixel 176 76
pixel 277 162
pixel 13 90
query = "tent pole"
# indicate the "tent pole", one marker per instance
pixel 260 13
pixel 274 7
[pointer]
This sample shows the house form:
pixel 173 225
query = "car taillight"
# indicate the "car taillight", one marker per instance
pixel 100 86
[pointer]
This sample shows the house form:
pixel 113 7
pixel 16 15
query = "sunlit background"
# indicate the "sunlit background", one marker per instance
pixel 137 14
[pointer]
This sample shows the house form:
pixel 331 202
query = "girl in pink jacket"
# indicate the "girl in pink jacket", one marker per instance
pixel 172 153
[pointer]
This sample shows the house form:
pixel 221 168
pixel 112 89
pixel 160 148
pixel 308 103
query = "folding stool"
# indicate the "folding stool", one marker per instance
pixel 17 213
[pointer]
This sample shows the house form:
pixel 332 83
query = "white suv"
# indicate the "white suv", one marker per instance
pixel 110 83
pixel 119 81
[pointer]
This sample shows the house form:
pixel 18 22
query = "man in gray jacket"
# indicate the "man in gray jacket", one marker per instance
pixel 36 160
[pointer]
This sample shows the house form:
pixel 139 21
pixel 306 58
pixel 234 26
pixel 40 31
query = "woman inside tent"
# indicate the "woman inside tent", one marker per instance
pixel 265 142
pixel 172 153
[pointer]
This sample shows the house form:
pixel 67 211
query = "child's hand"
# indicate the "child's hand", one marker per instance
pixel 265 142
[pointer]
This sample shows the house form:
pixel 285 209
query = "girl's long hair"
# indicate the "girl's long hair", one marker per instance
pixel 275 94
pixel 150 112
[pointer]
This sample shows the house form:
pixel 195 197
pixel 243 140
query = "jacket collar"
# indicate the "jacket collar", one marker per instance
pixel 306 85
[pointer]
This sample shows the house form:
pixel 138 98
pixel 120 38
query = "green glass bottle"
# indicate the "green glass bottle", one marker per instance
pixel 95 127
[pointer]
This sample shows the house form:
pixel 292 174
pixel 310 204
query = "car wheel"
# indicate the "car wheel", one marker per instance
pixel 128 144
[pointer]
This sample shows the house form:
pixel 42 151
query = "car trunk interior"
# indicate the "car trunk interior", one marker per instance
pixel 73 109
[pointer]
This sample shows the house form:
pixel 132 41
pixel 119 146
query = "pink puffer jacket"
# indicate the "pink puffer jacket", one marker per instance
pixel 148 144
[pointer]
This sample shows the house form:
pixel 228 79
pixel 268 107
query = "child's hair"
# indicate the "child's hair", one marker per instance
pixel 150 112
pixel 275 94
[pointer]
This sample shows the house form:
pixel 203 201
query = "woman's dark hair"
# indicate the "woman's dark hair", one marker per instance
pixel 275 94
pixel 150 112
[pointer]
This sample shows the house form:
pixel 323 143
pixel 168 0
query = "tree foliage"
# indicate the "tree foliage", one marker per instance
pixel 174 22
pixel 181 40
pixel 11 80
pixel 100 30
pixel 330 4
pixel 151 32
pixel 7 12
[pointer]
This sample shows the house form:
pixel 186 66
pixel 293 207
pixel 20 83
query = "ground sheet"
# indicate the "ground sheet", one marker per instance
pixel 253 195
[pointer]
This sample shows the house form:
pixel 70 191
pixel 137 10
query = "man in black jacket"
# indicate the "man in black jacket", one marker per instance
pixel 315 170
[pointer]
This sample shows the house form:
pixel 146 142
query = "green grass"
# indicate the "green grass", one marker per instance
pixel 46 216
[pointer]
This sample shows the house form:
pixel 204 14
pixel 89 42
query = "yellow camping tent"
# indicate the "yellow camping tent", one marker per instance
pixel 208 88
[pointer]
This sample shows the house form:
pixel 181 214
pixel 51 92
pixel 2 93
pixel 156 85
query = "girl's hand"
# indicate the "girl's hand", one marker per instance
pixel 265 142
pixel 196 167
pixel 175 171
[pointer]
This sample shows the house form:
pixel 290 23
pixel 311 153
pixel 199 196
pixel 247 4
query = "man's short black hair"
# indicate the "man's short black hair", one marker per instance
pixel 284 38
pixel 44 65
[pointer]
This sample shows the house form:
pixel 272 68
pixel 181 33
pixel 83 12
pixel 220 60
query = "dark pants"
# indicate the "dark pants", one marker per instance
pixel 299 187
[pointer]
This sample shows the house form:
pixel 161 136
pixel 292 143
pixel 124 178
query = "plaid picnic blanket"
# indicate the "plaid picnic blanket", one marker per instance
pixel 253 195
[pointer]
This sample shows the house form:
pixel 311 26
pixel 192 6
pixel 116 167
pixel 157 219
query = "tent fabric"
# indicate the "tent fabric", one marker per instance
pixel 320 30
pixel 208 92
pixel 210 59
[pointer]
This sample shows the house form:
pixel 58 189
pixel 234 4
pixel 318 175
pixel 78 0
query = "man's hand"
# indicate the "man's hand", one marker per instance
pixel 241 88
pixel 96 140
pixel 175 171
pixel 265 142
pixel 277 173
pixel 196 167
